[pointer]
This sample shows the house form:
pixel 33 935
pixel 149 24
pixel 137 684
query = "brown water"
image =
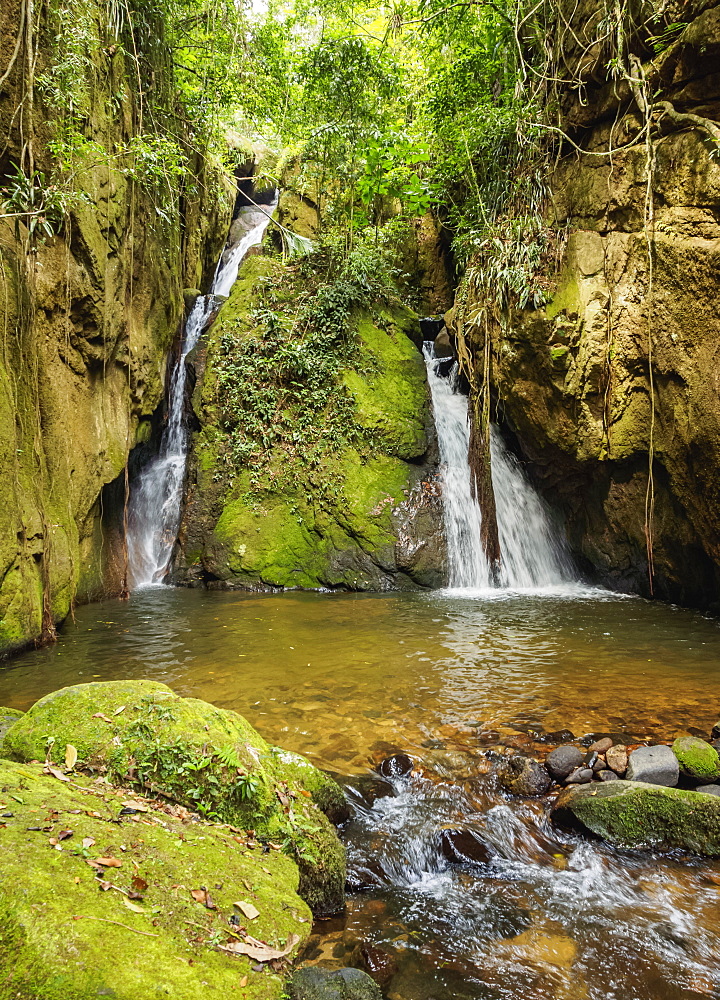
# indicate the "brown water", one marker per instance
pixel 347 679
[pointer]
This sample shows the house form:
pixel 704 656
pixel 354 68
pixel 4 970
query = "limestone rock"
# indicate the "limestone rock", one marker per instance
pixel 638 814
pixel 654 765
pixel 697 759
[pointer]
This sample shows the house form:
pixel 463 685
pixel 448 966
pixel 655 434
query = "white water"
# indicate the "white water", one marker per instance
pixel 532 556
pixel 156 499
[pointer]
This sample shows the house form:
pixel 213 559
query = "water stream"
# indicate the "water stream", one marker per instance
pixel 156 498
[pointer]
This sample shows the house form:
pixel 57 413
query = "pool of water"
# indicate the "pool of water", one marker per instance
pixel 349 678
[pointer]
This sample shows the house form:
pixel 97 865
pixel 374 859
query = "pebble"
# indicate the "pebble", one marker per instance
pixel 563 761
pixel 581 776
pixel 600 746
pixel 617 758
pixel 606 776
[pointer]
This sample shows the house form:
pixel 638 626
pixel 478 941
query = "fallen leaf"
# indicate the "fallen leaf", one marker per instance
pixel 137 806
pixel 250 911
pixel 267 871
pixel 258 950
pixel 243 981
pixel 88 842
pixel 109 862
pixel 55 773
pixel 306 794
pixel 139 884
pixel 71 756
pixel 133 906
pixel 104 886
pixel 119 710
pixel 99 715
pixel 203 896
pixel 134 895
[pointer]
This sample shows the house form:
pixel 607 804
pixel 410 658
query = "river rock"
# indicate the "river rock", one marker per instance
pixel 8 716
pixel 617 758
pixel 580 776
pixel 715 731
pixel 84 943
pixel 523 776
pixel 563 761
pixel 653 765
pixel 379 964
pixel 396 766
pixel 208 759
pixel 464 846
pixel 709 789
pixel 606 775
pixel 314 983
pixel 601 746
pixel 640 814
pixel 697 759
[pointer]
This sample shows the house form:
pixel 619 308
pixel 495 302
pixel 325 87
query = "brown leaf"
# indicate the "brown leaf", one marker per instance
pixel 88 842
pixel 243 981
pixel 65 834
pixel 71 756
pixel 139 884
pixel 258 950
pixel 137 806
pixel 203 896
pixel 134 895
pixel 105 885
pixel 99 715
pixel 55 773
pixel 108 862
pixel 306 794
pixel 250 911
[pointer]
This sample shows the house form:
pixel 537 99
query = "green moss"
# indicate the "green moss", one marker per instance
pixel 208 759
pixel 697 758
pixel 61 938
pixel 566 297
pixel 636 814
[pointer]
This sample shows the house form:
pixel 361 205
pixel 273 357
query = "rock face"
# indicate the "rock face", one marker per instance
pixel 83 943
pixel 209 760
pixel 654 765
pixel 637 814
pixel 359 511
pixel 90 314
pixel 572 377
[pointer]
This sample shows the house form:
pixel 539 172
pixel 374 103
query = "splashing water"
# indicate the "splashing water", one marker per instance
pixel 156 500
pixel 532 556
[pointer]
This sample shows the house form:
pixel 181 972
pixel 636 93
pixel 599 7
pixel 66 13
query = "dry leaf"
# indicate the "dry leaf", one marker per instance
pixel 133 906
pixel 119 710
pixel 267 871
pixel 104 886
pixel 258 950
pixel 108 862
pixel 203 896
pixel 243 981
pixel 55 773
pixel 88 842
pixel 64 834
pixel 137 806
pixel 306 794
pixel 139 884
pixel 247 909
pixel 99 715
pixel 70 756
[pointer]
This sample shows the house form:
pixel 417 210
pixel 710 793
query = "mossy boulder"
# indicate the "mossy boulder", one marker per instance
pixel 637 814
pixel 208 759
pixel 697 759
pixel 63 938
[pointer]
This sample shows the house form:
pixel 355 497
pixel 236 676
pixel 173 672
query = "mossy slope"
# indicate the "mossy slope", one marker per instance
pixel 636 814
pixel 208 759
pixel 62 938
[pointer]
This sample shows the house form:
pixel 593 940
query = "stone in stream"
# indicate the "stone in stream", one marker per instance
pixel 640 814
pixel 606 775
pixel 8 717
pixel 396 766
pixel 617 758
pixel 141 733
pixel 654 765
pixel 523 776
pixel 601 746
pixel 715 732
pixel 379 964
pixel 463 847
pixel 697 759
pixel 580 776
pixel 314 983
pixel 563 761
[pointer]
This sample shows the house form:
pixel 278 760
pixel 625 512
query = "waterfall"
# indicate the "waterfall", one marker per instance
pixel 531 555
pixel 156 498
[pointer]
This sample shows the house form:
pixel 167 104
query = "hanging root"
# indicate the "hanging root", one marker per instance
pixel 481 484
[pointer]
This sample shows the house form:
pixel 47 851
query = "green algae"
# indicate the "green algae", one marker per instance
pixel 208 759
pixel 698 759
pixel 637 814
pixel 61 938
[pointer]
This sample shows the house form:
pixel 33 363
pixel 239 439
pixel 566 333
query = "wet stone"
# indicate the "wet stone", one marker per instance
pixel 581 776
pixel 379 964
pixel 315 983
pixel 559 736
pixel 656 765
pixel 396 766
pixel 617 759
pixel 601 746
pixel 524 776
pixel 715 731
pixel 606 775
pixel 563 761
pixel 463 847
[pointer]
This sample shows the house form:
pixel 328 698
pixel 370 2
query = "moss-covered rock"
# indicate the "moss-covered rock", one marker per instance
pixel 636 814
pixel 208 759
pixel 697 759
pixel 62 938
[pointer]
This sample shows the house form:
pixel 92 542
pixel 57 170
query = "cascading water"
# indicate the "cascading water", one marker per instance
pixel 531 554
pixel 156 499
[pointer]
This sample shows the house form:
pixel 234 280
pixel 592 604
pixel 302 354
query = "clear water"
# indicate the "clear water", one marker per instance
pixel 532 553
pixel 156 497
pixel 350 678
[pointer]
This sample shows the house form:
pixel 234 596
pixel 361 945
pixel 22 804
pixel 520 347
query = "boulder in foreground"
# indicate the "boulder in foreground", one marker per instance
pixel 638 814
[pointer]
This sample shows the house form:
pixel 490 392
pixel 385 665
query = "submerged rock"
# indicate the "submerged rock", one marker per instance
pixel 641 814
pixel 523 776
pixel 463 847
pixel 697 758
pixel 653 765
pixel 380 964
pixel 208 759
pixel 563 761
pixel 314 983
pixel 61 937
pixel 395 766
